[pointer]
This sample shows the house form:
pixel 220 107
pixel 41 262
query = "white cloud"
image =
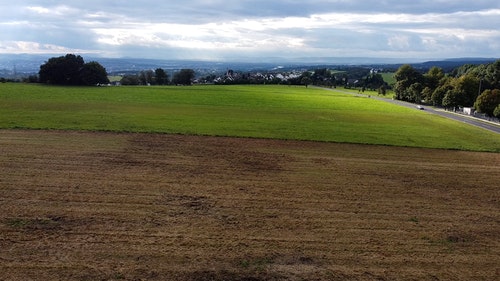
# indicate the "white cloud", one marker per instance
pixel 58 11
pixel 260 27
pixel 399 42
pixel 25 47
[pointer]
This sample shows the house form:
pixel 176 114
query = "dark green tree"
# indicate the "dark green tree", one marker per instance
pixel 492 75
pixel 488 74
pixel 488 101
pixel 432 77
pixel 71 70
pixel 432 80
pixel 468 86
pixel 427 95
pixel 374 81
pixel 322 77
pixel 414 92
pixel 92 73
pixel 382 90
pixel 161 77
pixel 439 94
pixel 64 70
pixel 146 77
pixel 306 80
pixel 453 99
pixel 130 80
pixel 405 77
pixel 184 77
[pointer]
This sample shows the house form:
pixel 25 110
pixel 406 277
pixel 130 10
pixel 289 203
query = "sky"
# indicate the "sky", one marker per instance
pixel 252 30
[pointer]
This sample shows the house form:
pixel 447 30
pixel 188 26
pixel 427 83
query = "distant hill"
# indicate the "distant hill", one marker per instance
pixel 22 65
pixel 450 64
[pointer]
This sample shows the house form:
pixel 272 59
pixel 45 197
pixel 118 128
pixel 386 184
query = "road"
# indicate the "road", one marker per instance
pixel 491 126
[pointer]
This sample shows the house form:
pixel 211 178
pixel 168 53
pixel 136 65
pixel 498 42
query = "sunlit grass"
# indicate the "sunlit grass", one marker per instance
pixel 280 112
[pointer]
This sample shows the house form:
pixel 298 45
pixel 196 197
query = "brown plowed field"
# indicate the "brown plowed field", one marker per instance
pixel 107 206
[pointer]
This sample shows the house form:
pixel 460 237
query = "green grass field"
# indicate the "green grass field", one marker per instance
pixel 388 77
pixel 279 112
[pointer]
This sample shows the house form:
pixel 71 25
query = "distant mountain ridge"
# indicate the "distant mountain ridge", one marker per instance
pixel 450 64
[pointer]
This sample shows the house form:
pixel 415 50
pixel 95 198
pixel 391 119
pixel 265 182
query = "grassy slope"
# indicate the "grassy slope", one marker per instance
pixel 246 111
pixel 388 77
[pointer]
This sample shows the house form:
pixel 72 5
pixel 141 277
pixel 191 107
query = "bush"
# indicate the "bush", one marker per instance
pixel 496 112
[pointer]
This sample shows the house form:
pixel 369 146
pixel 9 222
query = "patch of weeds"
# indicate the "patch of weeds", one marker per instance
pixel 16 222
pixel 450 241
pixel 228 275
pixel 258 264
pixel 245 264
pixel 119 276
pixel 454 238
pixel 427 238
pixel 33 223
pixel 414 219
pixel 306 260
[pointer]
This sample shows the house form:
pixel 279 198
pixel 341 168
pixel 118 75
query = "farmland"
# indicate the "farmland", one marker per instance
pixel 389 77
pixel 135 206
pixel 240 183
pixel 276 112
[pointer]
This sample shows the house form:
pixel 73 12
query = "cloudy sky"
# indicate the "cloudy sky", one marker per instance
pixel 259 29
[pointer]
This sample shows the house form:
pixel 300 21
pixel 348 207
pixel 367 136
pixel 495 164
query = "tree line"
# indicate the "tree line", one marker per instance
pixel 159 77
pixel 348 77
pixel 72 70
pixel 476 86
pixel 352 77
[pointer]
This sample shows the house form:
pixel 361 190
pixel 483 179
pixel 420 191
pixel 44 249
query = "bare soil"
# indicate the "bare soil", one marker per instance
pixel 107 206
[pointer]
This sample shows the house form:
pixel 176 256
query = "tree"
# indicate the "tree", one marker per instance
pixel 467 87
pixel 488 74
pixel 161 77
pixel 382 90
pixel 146 77
pixel 92 73
pixel 414 92
pixel 33 79
pixel 374 81
pixel 454 98
pixel 405 77
pixel 432 77
pixel 322 76
pixel 71 70
pixel 488 101
pixel 130 80
pixel 427 95
pixel 64 70
pixel 306 80
pixel 492 75
pixel 439 94
pixel 184 77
